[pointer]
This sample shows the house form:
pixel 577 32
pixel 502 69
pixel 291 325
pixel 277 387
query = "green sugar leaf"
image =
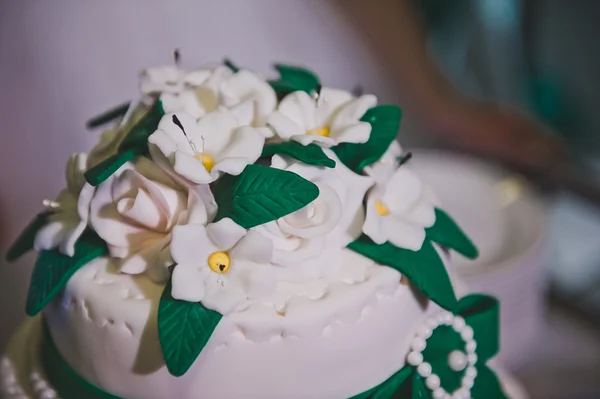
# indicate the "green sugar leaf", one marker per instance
pixel 261 194
pixel 53 269
pixel 138 136
pixel 385 123
pixel 24 242
pixel 184 328
pixel 310 154
pixel 487 385
pixel 388 388
pixel 447 233
pixel 108 116
pixel 482 313
pixel 293 79
pixel 424 268
pixel 109 166
pixel 134 144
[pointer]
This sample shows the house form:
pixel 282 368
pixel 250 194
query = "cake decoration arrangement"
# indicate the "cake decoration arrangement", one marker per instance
pixel 231 236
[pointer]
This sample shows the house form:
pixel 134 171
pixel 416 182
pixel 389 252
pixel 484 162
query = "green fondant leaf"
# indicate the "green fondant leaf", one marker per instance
pixel 184 328
pixel 137 138
pixel 24 242
pixel 229 64
pixel 134 144
pixel 261 194
pixel 419 390
pixel 443 341
pixel 385 123
pixel 109 166
pixel 108 116
pixel 293 79
pixel 389 387
pixel 310 154
pixel 53 269
pixel 482 313
pixel 487 385
pixel 447 233
pixel 424 268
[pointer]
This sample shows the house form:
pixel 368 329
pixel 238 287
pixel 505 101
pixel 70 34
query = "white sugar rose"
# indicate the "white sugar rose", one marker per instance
pixel 221 265
pixel 332 220
pixel 331 119
pixel 70 211
pixel 201 151
pixel 135 211
pixel 203 90
pixel 399 210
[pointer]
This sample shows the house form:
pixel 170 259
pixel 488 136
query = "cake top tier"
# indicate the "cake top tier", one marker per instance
pixel 222 184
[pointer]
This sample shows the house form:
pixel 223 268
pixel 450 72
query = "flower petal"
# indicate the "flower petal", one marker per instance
pixel 246 142
pixel 403 234
pixel 160 79
pixel 300 108
pixel 191 168
pixel 188 283
pixel 306 139
pixel 225 233
pixel 402 191
pixel 254 247
pixel 352 111
pixel 179 138
pixel 373 223
pixel 243 112
pixel 285 127
pixel 76 166
pixel 223 294
pixel 214 132
pixel 356 133
pixel 191 243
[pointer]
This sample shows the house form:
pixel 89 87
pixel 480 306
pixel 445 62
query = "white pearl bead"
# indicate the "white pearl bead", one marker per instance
pixel 432 323
pixel 424 369
pixel 439 393
pixel 433 382
pixel 447 318
pixel 467 333
pixel 471 346
pixel 457 360
pixel 424 331
pixel 472 358
pixel 468 382
pixel 471 372
pixel 414 358
pixel 458 324
pixel 461 393
pixel 418 344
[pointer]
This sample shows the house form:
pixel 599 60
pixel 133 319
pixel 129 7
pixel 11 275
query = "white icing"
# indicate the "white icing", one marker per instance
pixel 70 211
pixel 330 326
pixel 245 278
pixel 135 211
pixel 228 144
pixel 335 110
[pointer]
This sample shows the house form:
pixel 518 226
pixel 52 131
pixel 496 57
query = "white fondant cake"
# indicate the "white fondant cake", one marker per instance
pixel 231 237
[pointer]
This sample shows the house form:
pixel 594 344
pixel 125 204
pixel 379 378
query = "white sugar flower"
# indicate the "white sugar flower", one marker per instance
pixel 220 265
pixel 399 210
pixel 204 90
pixel 201 151
pixel 70 211
pixel 331 221
pixel 330 119
pixel 135 211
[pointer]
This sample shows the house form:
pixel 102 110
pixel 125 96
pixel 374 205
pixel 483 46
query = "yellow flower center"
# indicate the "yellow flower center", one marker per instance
pixel 381 208
pixel 322 131
pixel 219 262
pixel 206 160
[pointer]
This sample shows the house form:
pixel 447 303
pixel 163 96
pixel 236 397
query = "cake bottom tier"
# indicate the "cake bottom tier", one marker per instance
pixel 22 375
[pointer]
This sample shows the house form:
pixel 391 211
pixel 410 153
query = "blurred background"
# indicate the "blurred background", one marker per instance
pixel 500 102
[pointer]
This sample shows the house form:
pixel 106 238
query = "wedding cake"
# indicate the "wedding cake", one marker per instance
pixel 236 237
